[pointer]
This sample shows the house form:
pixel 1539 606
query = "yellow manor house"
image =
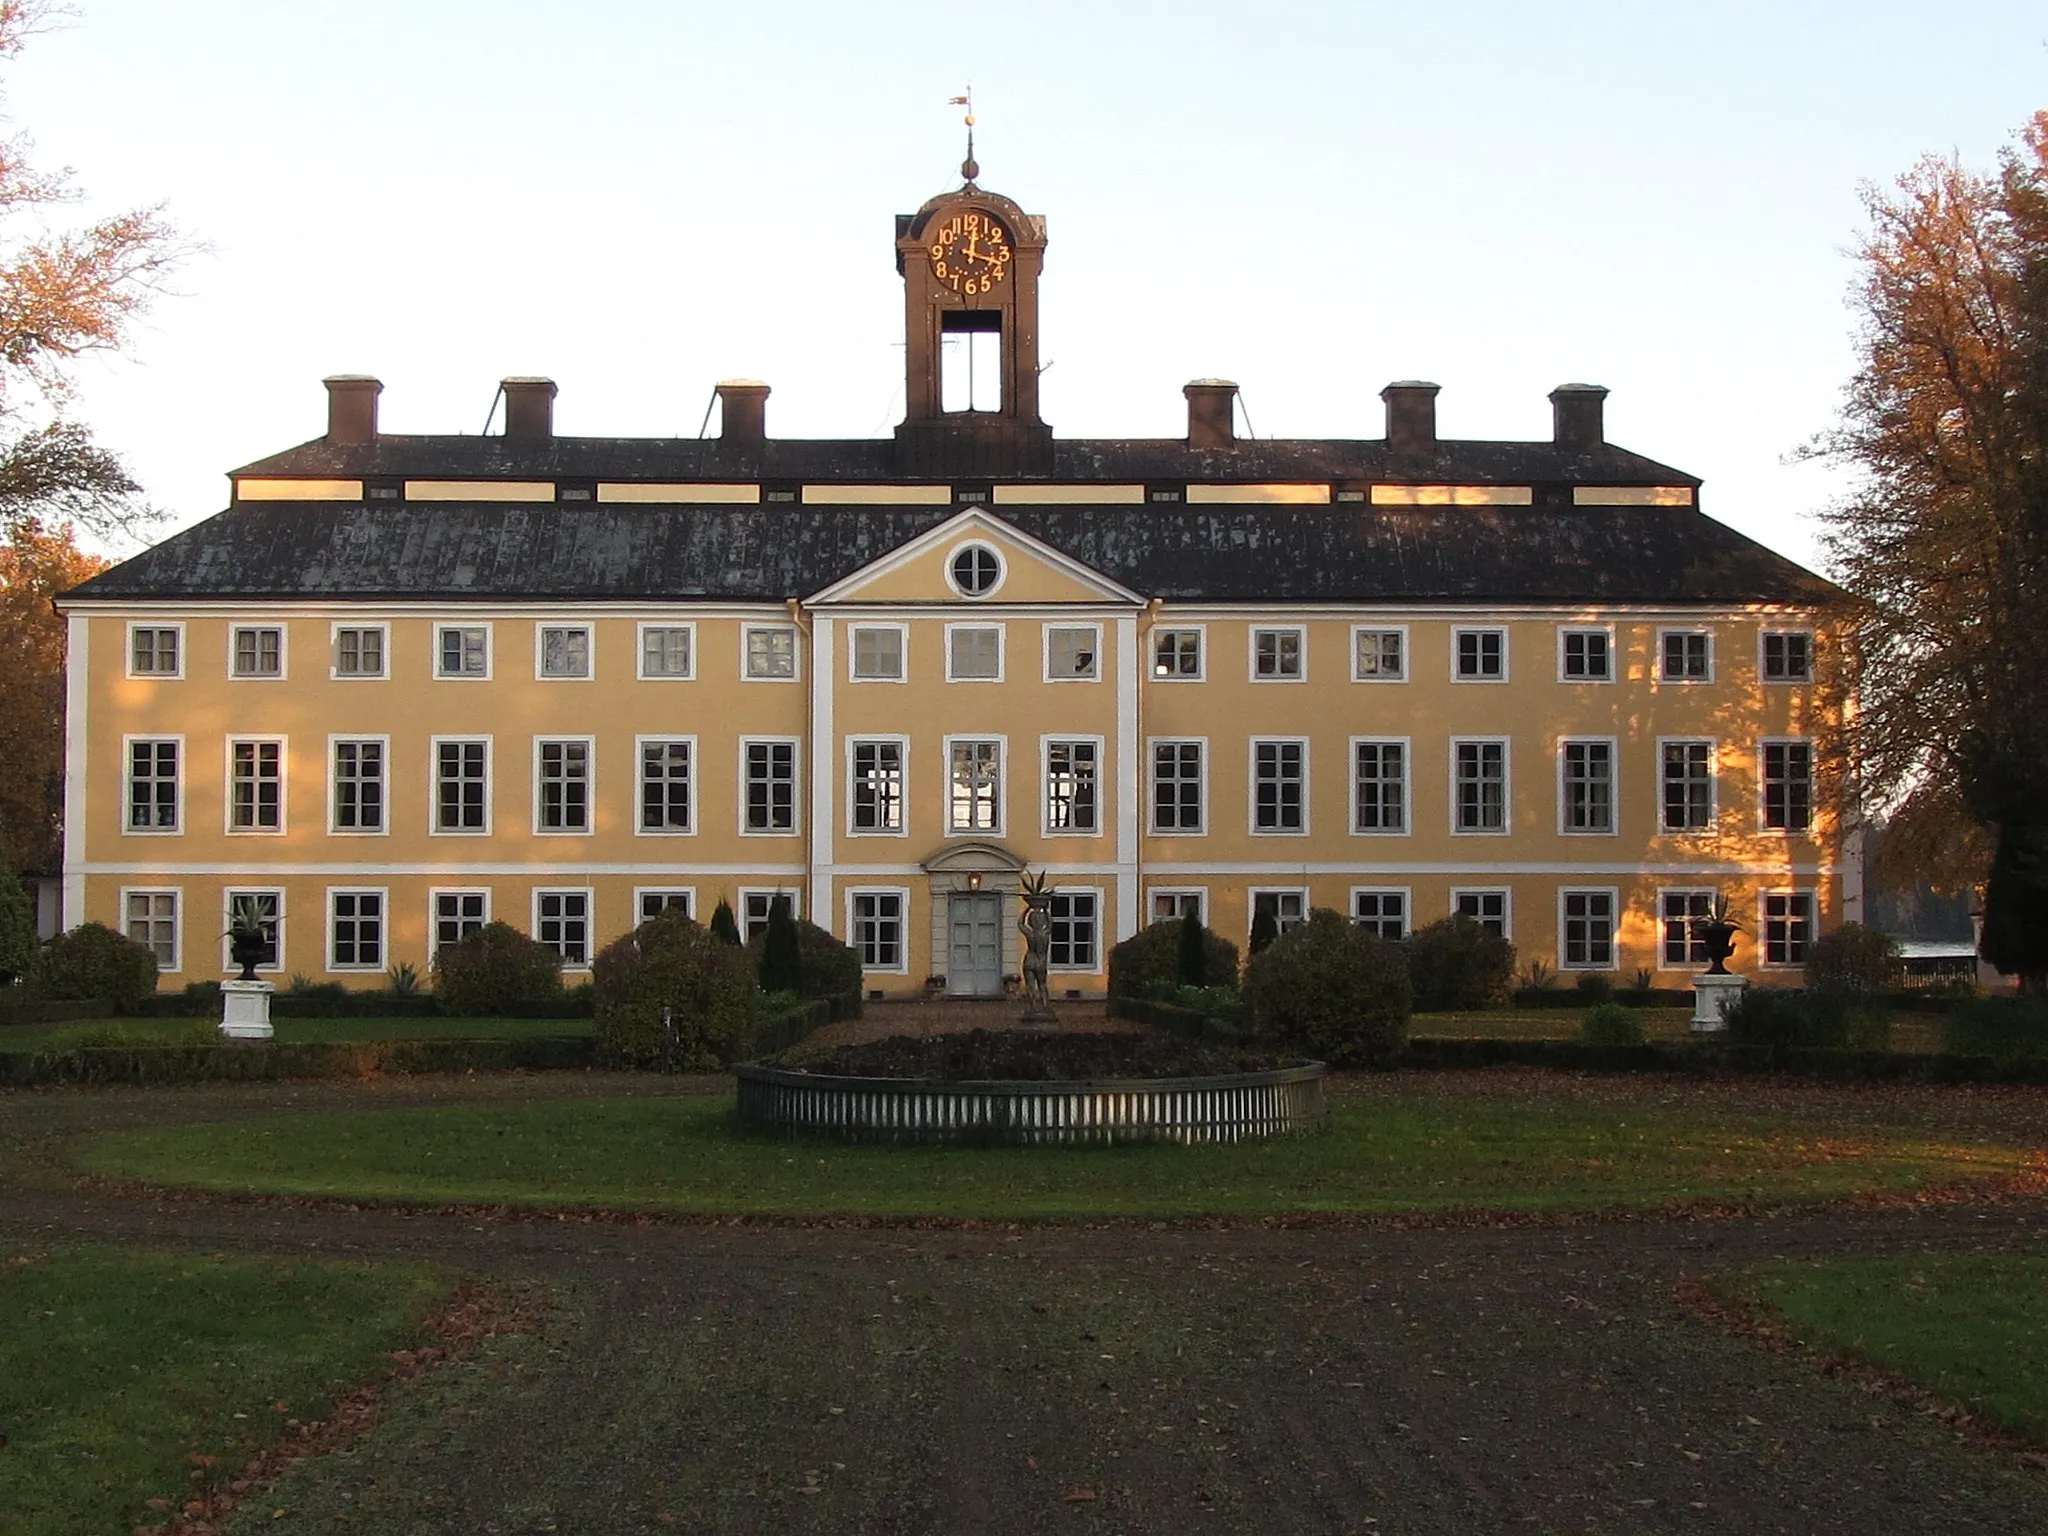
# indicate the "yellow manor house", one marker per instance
pixel 405 685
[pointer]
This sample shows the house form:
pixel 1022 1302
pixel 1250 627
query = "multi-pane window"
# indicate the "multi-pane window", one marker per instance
pixel 1489 909
pixel 461 785
pixel 1788 785
pixel 268 908
pixel 771 651
pixel 153 650
pixel 1379 778
pixel 1288 909
pixel 1688 656
pixel 1074 931
pixel 359 650
pixel 1589 930
pixel 1587 786
pixel 256 651
pixel 664 786
pixel 755 907
pixel 878 786
pixel 1071 652
pixel 355 931
pixel 564 650
pixel 150 918
pixel 1378 655
pixel 1276 655
pixel 877 653
pixel 1480 801
pixel 974 653
pixel 458 914
pixel 1788 656
pixel 255 786
pixel 1586 655
pixel 878 929
pixel 974 786
pixel 770 804
pixel 359 786
pixel 1177 653
pixel 1279 786
pixel 1480 655
pixel 1176 786
pixel 1688 768
pixel 1174 906
pixel 561 920
pixel 462 650
pixel 1384 914
pixel 1681 914
pixel 563 775
pixel 152 786
pixel 666 651
pixel 1788 926
pixel 652 901
pixel 1070 784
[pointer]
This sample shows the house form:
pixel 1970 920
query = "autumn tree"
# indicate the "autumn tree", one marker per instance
pixel 36 562
pixel 1942 544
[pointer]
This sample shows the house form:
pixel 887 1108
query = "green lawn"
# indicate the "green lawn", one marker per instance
pixel 118 1368
pixel 1970 1328
pixel 61 1037
pixel 683 1155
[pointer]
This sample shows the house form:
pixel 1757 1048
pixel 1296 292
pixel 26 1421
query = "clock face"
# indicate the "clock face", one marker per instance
pixel 970 252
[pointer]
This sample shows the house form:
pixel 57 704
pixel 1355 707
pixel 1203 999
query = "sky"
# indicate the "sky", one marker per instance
pixel 639 199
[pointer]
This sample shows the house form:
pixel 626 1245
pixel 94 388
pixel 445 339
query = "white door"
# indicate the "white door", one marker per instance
pixel 976 968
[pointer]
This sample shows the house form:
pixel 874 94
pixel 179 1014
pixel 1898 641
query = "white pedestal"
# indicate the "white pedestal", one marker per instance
pixel 245 1010
pixel 1712 997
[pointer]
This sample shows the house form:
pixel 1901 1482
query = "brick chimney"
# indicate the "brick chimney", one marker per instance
pixel 352 407
pixel 1212 413
pixel 742 411
pixel 529 409
pixel 1577 415
pixel 1411 416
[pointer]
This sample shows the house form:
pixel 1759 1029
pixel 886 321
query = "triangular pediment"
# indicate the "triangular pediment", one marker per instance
pixel 1032 571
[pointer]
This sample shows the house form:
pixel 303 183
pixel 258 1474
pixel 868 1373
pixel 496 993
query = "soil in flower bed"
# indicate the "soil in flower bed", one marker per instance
pixel 984 1055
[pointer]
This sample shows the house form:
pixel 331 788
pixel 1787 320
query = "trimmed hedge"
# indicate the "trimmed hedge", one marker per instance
pixel 1456 963
pixel 93 961
pixel 779 1031
pixel 826 968
pixel 1853 958
pixel 1331 990
pixel 31 1012
pixel 2007 1028
pixel 494 972
pixel 1188 1023
pixel 270 1062
pixel 1147 964
pixel 706 986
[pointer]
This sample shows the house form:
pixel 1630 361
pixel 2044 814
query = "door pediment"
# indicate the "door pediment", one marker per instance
pixel 1031 571
pixel 972 858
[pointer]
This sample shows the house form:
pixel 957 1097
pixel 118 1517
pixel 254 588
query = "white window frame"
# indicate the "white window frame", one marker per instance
pixel 853 933
pixel 1047 631
pixel 1251 903
pixel 1713 784
pixel 1407 895
pixel 434 895
pixel 1002 650
pixel 334 671
pixel 640 827
pixel 1614 916
pixel 768 893
pixel 1407 656
pixel 1613 653
pixel 128 743
pixel 1002 795
pixel 1506 893
pixel 284 641
pixel 796 653
pixel 1152 743
pixel 434 745
pixel 1045 746
pixel 1763 924
pixel 796 786
pixel 1613 827
pixel 227 907
pixel 1507 786
pixel 334 826
pixel 540 649
pixel 1300 633
pixel 1506 661
pixel 227 782
pixel 177 919
pixel 1101 920
pixel 1664 960
pixel 442 627
pixel 589 921
pixel 1251 784
pixel 1178 892
pixel 589 745
pixel 952 581
pixel 687 675
pixel 1407 746
pixel 1763 797
pixel 1763 637
pixel 642 892
pixel 1664 676
pixel 177 673
pixel 902 745
pixel 1201 672
pixel 853 634
pixel 383 895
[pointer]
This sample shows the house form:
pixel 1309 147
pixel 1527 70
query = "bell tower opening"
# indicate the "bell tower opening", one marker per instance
pixel 970 360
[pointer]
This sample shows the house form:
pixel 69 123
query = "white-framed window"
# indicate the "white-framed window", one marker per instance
pixel 156 650
pixel 357 784
pixel 462 784
pixel 562 779
pixel 974 653
pixel 875 925
pixel 1491 907
pixel 768 653
pixel 1379 653
pixel 1177 654
pixel 1179 779
pixel 1585 930
pixel 1685 655
pixel 1479 786
pixel 1280 786
pixel 1479 655
pixel 1789 919
pixel 270 914
pixel 256 783
pixel 1172 904
pixel 875 802
pixel 355 928
pixel 561 920
pixel 668 652
pixel 1073 653
pixel 1686 770
pixel 974 784
pixel 256 650
pixel 975 570
pixel 768 784
pixel 1678 913
pixel 1585 654
pixel 1787 785
pixel 1073 785
pixel 456 915
pixel 667 805
pixel 1585 786
pixel 150 918
pixel 154 787
pixel 1379 785
pixel 1287 904
pixel 1279 655
pixel 1381 911
pixel 562 651
pixel 876 653
pixel 462 651
pixel 360 651
pixel 1076 940
pixel 650 901
pixel 1786 656
pixel 757 902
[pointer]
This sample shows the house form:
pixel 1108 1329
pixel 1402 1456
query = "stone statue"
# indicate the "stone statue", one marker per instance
pixel 1034 922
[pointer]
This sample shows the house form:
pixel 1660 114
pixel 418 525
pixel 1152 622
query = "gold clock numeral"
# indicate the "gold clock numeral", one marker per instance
pixel 939 267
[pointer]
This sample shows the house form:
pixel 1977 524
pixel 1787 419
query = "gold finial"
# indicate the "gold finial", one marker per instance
pixel 968 168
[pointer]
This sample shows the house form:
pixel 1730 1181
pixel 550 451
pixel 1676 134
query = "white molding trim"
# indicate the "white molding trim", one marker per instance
pixel 965 526
pixel 1128 774
pixel 1478 871
pixel 77 691
pixel 438 869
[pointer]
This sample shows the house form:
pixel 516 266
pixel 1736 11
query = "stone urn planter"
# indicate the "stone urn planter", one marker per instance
pixel 245 1001
pixel 1716 989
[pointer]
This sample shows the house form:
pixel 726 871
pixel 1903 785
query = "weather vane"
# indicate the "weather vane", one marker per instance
pixel 968 168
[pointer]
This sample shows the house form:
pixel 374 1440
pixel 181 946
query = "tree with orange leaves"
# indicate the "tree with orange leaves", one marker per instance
pixel 37 562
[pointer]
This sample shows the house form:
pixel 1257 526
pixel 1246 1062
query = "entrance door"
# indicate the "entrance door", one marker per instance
pixel 976 968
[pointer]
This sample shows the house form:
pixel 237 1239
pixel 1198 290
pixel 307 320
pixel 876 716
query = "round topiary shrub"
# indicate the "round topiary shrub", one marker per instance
pixel 496 971
pixel 1148 963
pixel 1806 1021
pixel 1853 958
pixel 707 986
pixel 1456 963
pixel 824 968
pixel 1611 1024
pixel 93 961
pixel 1332 990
